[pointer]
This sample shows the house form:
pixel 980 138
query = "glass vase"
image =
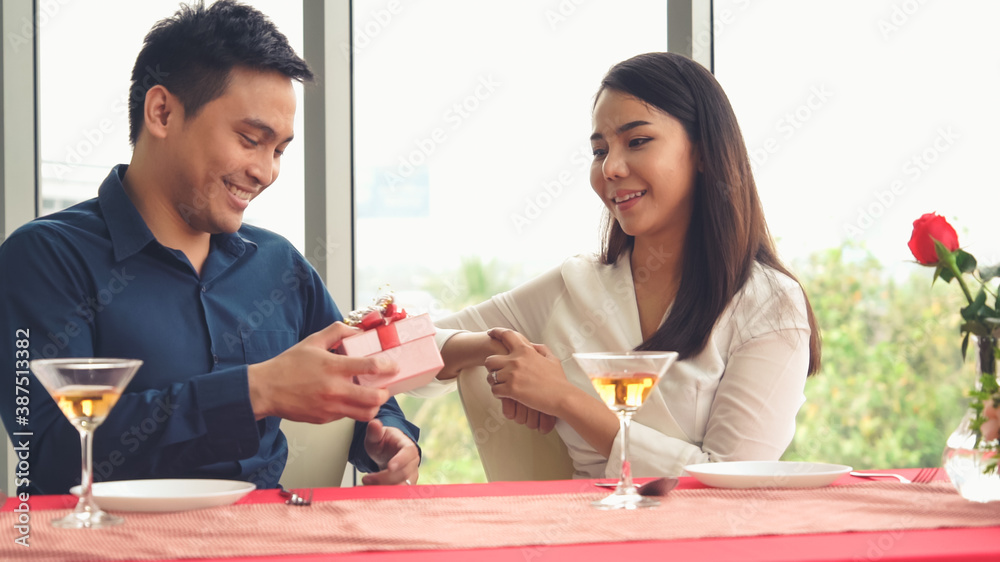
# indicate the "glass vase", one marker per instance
pixel 966 458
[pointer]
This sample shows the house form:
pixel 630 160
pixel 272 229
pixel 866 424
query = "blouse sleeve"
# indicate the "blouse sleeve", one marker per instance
pixel 522 309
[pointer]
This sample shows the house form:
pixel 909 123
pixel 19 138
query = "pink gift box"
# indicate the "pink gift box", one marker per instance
pixel 416 354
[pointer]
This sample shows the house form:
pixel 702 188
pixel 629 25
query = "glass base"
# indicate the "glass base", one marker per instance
pixel 87 520
pixel 966 464
pixel 625 501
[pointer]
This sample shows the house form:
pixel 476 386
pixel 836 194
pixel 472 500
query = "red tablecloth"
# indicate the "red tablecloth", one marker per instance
pixel 967 544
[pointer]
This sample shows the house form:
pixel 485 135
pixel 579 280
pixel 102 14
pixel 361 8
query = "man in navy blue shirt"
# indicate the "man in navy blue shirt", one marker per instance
pixel 233 325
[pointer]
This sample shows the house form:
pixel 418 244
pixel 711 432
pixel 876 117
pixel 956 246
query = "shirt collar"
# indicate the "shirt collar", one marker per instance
pixel 128 231
pixel 235 243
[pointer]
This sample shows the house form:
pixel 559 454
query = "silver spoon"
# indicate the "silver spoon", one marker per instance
pixel 293 498
pixel 658 487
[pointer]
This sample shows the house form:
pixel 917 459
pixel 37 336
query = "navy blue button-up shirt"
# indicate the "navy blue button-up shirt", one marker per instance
pixel 92 281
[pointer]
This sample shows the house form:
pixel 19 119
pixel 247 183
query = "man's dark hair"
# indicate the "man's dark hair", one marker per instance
pixel 192 53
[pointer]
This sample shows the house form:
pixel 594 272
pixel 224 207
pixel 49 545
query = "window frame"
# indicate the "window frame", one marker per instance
pixel 18 146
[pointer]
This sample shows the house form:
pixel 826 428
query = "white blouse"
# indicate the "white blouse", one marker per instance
pixel 736 400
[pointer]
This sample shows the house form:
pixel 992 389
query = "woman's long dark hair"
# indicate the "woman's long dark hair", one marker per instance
pixel 727 233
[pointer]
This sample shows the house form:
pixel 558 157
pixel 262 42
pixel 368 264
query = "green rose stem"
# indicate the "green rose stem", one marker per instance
pixel 988 387
pixel 987 381
pixel 949 260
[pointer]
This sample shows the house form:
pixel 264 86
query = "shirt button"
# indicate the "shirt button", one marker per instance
pixel 215 358
pixel 204 289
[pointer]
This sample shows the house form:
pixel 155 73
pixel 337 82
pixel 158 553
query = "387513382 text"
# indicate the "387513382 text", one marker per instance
pixel 22 439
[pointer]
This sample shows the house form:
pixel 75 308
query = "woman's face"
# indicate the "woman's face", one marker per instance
pixel 644 166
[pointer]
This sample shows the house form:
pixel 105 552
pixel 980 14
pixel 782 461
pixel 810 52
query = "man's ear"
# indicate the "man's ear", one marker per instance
pixel 160 110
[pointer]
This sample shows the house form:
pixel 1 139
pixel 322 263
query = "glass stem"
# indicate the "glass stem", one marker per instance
pixel 625 482
pixel 87 475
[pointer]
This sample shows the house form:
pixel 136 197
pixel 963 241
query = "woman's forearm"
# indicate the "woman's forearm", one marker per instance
pixel 467 349
pixel 597 424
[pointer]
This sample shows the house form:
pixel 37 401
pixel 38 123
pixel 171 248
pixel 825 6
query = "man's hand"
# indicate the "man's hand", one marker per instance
pixel 309 383
pixel 396 455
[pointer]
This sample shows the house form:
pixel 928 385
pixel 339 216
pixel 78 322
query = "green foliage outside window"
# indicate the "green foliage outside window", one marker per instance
pixel 892 385
pixel 449 450
pixel 890 391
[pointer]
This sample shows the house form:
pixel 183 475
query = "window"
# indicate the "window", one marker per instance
pixel 83 102
pixel 472 157
pixel 859 117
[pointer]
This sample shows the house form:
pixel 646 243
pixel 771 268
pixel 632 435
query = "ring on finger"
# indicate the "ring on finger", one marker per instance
pixel 492 377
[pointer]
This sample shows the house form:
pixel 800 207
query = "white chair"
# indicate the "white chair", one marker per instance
pixel 507 449
pixel 317 454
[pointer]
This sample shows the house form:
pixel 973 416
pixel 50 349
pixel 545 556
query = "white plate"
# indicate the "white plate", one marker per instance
pixel 167 494
pixel 766 474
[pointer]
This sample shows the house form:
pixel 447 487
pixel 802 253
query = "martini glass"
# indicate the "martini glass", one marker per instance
pixel 624 380
pixel 85 389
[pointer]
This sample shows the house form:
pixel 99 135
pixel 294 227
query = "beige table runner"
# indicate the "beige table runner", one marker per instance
pixel 483 522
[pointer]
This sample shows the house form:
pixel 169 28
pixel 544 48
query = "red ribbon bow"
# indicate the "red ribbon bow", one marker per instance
pixel 381 322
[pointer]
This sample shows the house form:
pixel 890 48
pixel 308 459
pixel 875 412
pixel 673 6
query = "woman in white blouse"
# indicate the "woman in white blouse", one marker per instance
pixel 687 265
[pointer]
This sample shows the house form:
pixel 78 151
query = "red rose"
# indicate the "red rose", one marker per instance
pixel 926 229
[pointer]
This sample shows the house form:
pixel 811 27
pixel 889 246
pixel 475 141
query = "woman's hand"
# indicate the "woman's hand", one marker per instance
pixel 529 375
pixel 534 379
pixel 533 419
